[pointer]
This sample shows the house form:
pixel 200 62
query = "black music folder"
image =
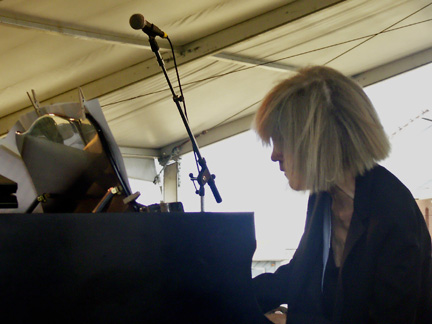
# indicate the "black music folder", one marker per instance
pixel 8 189
pixel 127 268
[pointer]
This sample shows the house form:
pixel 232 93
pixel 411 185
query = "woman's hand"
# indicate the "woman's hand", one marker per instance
pixel 277 318
pixel 278 315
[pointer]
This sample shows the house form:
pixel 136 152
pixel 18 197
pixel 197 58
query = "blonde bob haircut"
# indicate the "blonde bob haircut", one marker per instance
pixel 327 123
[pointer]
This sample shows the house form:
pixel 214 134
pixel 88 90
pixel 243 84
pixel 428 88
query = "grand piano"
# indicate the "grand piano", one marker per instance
pixel 81 261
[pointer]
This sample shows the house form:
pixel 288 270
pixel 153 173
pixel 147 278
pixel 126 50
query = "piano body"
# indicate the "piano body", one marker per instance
pixel 127 268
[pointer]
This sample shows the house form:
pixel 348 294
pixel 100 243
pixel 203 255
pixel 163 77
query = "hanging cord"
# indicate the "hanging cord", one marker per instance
pixel 175 152
pixel 381 32
pixel 182 98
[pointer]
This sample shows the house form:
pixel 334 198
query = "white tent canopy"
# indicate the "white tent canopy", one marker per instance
pixel 230 53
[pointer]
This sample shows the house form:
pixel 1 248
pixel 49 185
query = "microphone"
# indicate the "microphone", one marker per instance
pixel 137 21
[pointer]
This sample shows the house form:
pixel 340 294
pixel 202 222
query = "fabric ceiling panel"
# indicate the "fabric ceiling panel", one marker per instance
pixel 230 53
pixel 321 38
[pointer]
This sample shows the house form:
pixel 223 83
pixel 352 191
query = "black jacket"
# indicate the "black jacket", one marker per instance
pixel 386 271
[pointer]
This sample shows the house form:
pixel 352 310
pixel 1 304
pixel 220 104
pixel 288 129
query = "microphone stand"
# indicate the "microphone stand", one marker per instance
pixel 204 175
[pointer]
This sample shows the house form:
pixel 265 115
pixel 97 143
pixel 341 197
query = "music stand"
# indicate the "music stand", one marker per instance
pixel 69 166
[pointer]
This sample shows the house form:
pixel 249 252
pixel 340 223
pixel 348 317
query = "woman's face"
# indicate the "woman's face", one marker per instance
pixel 286 165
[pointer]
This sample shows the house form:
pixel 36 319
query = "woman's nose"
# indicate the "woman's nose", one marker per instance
pixel 276 154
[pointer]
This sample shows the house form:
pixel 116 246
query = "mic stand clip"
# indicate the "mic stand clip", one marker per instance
pixel 203 177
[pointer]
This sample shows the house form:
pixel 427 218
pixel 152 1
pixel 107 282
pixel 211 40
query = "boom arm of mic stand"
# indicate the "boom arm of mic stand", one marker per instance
pixel 204 175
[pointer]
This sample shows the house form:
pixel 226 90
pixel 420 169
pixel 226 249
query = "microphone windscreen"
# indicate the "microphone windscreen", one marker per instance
pixel 137 21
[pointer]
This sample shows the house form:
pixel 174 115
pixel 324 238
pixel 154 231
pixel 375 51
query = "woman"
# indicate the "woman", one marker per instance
pixel 365 255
